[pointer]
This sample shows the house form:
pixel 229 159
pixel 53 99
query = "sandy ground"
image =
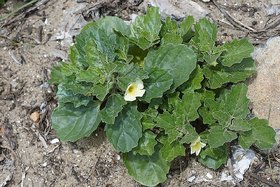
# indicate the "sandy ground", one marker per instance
pixel 30 154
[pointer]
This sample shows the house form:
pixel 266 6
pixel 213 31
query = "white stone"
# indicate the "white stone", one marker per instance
pixel 179 8
pixel 241 160
pixel 54 141
pixel 191 179
pixel 209 176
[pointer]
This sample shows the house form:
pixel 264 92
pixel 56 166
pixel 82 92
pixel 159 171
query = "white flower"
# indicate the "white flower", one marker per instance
pixel 196 146
pixel 134 89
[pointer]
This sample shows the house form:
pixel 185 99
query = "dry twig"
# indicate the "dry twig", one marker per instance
pixel 232 20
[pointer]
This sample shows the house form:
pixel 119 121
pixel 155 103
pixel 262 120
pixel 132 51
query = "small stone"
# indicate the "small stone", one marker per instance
pixel 54 141
pixel 205 1
pixel 191 179
pixel 209 176
pixel 35 117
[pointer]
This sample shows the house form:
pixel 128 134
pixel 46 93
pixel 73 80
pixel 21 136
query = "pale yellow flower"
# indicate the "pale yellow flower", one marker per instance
pixel 134 89
pixel 196 146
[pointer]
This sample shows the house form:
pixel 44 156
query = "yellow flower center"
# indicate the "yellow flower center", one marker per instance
pixel 196 146
pixel 132 88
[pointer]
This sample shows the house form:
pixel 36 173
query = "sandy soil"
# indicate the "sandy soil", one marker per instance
pixel 31 45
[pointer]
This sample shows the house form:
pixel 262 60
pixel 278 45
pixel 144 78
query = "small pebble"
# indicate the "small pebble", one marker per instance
pixel 209 176
pixel 35 117
pixel 54 141
pixel 191 179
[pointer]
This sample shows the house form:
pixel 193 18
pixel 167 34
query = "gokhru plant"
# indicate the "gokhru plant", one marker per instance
pixel 162 89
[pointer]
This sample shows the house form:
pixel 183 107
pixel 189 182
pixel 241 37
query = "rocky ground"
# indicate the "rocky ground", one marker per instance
pixel 37 37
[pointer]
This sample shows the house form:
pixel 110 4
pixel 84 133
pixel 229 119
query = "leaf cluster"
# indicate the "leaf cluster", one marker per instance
pixel 193 89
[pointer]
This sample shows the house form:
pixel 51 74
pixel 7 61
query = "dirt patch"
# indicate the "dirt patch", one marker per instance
pixel 31 44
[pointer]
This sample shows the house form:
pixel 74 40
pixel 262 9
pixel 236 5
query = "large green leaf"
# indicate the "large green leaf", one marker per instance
pixel 61 73
pixel 236 73
pixel 177 59
pixel 218 137
pixel 189 106
pixel 147 170
pixel 262 135
pixel 72 123
pixel 236 51
pixel 147 143
pixel 125 133
pixel 145 29
pixel 186 26
pixel 213 158
pixel 231 105
pixel 194 83
pixel 170 151
pixel 66 96
pixel 149 118
pixel 177 127
pixel 206 34
pixel 113 107
pixel 98 42
pixel 159 81
pixel 240 125
pixel 170 125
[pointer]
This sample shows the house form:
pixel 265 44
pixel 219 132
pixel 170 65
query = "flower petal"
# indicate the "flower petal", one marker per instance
pixel 139 83
pixel 140 93
pixel 129 97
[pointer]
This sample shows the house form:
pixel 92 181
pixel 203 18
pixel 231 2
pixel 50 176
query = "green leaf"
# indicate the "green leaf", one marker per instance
pixel 127 130
pixel 262 135
pixel 206 34
pixel 246 139
pixel 236 101
pixel 215 79
pixel 212 58
pixel 149 117
pixel 72 123
pixel 209 106
pixel 190 134
pixel 213 158
pixel 101 90
pixel 218 136
pixel 169 27
pixel 145 29
pixel 240 125
pixel 113 107
pixel 189 106
pixel 177 59
pixel 194 83
pixel 129 74
pixel 147 170
pixel 61 72
pixel 242 71
pixel 236 73
pixel 147 143
pixel 236 51
pixel 171 38
pixel 66 96
pixel 233 104
pixel 186 26
pixel 99 43
pixel 159 81
pixel 176 127
pixel 170 125
pixel 170 151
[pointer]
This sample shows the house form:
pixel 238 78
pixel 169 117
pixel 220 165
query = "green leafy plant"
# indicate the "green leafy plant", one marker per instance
pixel 162 89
